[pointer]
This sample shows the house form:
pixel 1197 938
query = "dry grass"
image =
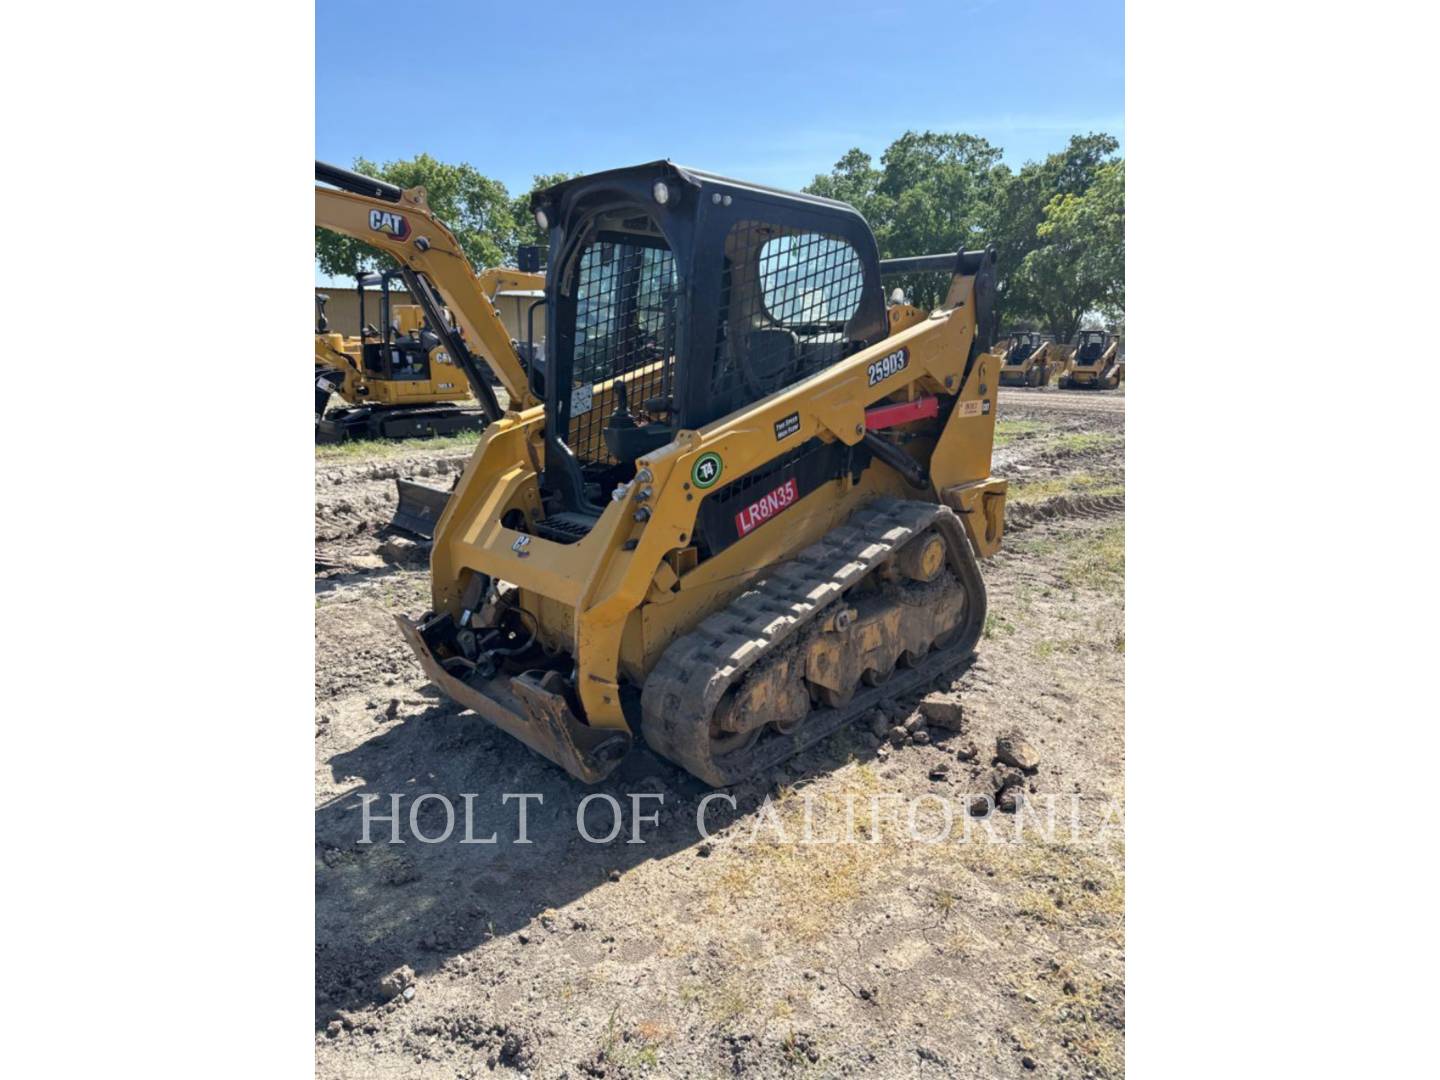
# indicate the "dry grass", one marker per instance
pixel 633 1047
pixel 1086 559
pixel 1081 1010
pixel 1007 431
pixel 1097 560
pixel 803 886
pixel 1077 442
pixel 722 1003
pixel 380 449
pixel 1062 885
pixel 997 626
pixel 1074 483
pixel 1055 880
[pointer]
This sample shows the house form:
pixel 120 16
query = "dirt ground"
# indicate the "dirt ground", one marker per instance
pixel 993 949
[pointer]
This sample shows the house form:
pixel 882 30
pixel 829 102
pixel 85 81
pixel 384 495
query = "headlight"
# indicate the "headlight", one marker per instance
pixel 661 191
pixel 542 220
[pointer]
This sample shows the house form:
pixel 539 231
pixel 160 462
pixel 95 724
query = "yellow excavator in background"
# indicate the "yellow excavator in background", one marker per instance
pixel 1028 358
pixel 743 500
pixel 397 380
pixel 1097 363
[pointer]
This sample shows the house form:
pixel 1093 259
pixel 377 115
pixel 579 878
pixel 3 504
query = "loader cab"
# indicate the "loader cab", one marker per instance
pixel 396 341
pixel 1022 345
pixel 1090 346
pixel 675 297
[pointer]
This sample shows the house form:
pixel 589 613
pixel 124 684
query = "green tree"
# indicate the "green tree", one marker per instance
pixel 935 192
pixel 1017 210
pixel 1080 266
pixel 936 187
pixel 854 180
pixel 929 195
pixel 529 232
pixel 477 209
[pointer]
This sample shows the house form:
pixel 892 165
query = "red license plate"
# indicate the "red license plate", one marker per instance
pixel 766 507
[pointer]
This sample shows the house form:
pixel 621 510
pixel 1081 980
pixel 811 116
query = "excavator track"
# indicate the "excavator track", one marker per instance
pixel 397 422
pixel 684 692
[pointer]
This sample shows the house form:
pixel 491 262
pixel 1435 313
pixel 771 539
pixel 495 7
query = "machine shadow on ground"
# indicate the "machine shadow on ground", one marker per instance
pixel 382 905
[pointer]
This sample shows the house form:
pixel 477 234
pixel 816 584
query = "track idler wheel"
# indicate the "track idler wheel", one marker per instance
pixel 878 676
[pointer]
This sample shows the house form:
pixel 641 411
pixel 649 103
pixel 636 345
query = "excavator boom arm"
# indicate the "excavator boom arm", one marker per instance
pixel 400 224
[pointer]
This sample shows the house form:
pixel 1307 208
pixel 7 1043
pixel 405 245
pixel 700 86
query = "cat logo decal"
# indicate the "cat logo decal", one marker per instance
pixel 390 223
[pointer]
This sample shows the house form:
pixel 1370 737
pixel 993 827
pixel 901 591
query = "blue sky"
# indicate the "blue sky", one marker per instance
pixel 771 92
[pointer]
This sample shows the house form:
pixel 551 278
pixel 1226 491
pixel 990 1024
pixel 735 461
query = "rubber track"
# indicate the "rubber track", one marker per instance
pixel 687 684
pixel 355 422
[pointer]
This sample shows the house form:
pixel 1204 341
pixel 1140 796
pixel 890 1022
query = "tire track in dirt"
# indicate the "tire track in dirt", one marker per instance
pixel 1019 517
pixel 1048 400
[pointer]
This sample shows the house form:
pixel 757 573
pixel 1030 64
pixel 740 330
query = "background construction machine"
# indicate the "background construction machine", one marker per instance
pixel 746 500
pixel 1097 363
pixel 1028 358
pixel 395 378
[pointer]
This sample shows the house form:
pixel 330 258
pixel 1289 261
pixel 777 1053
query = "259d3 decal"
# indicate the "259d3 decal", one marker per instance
pixel 890 364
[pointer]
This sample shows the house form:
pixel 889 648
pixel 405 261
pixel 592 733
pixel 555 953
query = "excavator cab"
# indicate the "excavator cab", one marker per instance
pixel 398 348
pixel 395 379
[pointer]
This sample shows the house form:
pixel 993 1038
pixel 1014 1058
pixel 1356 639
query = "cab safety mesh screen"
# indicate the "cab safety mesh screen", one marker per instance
pixel 787 298
pixel 624 329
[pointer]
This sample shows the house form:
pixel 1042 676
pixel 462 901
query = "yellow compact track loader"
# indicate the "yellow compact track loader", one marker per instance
pixel 742 501
pixel 1097 363
pixel 1029 359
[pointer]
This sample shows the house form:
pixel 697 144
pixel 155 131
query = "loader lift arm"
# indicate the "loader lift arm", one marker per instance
pixel 399 222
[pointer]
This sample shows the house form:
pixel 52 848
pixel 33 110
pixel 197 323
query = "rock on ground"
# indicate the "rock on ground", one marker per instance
pixel 396 983
pixel 1012 749
pixel 942 709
